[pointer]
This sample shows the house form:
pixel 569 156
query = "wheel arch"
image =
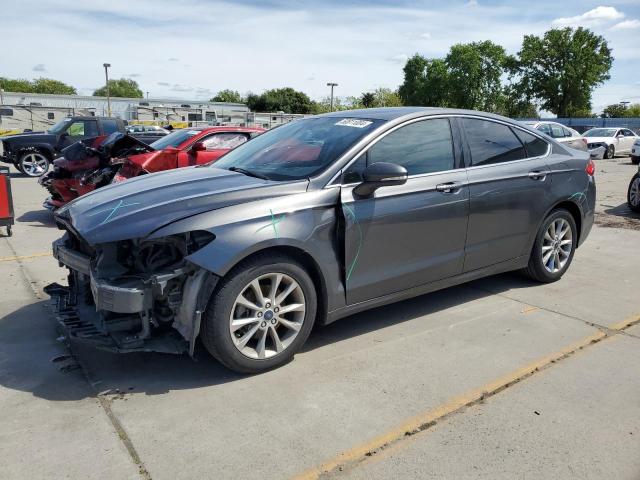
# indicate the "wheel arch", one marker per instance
pixel 43 149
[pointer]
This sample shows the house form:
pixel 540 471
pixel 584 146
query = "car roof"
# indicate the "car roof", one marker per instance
pixel 396 113
pixel 229 128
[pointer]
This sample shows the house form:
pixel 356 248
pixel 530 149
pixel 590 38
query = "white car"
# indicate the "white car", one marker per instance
pixel 635 152
pixel 560 133
pixel 617 141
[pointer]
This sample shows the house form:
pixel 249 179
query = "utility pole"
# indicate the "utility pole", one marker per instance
pixel 147 95
pixel 331 84
pixel 106 76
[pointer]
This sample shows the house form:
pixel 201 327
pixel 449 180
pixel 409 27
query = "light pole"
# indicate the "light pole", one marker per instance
pixel 106 76
pixel 331 84
pixel 147 95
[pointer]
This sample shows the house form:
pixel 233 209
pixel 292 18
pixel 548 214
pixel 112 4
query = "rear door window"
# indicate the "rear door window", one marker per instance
pixel 491 142
pixel 421 147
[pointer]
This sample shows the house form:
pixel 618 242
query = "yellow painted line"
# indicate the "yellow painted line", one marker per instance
pixel 422 421
pixel 25 257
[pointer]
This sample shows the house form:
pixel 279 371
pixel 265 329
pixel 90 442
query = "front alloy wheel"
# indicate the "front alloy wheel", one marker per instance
pixel 33 164
pixel 633 194
pixel 267 316
pixel 260 314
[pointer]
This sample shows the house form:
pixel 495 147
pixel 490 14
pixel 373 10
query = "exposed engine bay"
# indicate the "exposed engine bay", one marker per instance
pixel 147 296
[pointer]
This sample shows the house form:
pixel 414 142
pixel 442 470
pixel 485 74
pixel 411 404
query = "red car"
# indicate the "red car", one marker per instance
pixel 186 147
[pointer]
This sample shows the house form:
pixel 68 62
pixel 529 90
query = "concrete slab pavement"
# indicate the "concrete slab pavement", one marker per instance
pixel 578 420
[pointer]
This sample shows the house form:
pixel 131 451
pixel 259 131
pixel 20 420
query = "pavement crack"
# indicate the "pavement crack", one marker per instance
pixel 602 328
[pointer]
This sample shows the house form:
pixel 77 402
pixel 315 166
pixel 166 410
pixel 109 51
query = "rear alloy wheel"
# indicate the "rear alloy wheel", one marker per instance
pixel 33 164
pixel 633 194
pixel 611 151
pixel 554 247
pixel 261 315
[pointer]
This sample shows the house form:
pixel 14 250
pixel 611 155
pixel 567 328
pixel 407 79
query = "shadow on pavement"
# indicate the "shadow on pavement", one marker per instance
pixel 622 210
pixel 43 216
pixel 27 346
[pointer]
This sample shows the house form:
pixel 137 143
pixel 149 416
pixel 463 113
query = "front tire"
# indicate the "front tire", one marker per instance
pixel 611 152
pixel 33 163
pixel 261 314
pixel 633 193
pixel 553 248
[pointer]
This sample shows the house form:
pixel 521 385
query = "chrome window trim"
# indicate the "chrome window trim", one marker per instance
pixel 459 115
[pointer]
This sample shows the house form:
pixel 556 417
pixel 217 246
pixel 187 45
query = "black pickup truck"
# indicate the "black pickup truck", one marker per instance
pixel 33 152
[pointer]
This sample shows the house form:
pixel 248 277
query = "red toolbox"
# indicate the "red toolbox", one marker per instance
pixel 6 201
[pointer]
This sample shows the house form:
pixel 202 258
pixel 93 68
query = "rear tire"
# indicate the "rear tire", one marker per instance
pixel 635 160
pixel 633 193
pixel 553 250
pixel 252 340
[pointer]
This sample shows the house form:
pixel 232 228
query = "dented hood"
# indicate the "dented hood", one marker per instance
pixel 137 207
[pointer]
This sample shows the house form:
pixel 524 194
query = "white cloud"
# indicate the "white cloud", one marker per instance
pixel 472 3
pixel 626 25
pixel 39 68
pixel 399 58
pixel 593 17
pixel 425 35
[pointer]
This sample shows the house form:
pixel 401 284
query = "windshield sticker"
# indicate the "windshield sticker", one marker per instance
pixel 354 122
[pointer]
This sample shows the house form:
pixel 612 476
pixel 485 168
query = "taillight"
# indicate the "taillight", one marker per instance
pixel 590 168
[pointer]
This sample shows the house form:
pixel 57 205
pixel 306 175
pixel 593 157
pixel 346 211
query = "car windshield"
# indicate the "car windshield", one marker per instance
pixel 174 139
pixel 60 126
pixel 299 149
pixel 600 132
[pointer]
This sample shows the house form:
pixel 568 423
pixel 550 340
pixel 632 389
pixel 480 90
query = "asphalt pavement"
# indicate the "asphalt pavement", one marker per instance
pixel 499 378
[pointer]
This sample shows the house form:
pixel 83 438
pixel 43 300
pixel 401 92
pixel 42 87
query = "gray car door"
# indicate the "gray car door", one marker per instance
pixel 509 192
pixel 411 234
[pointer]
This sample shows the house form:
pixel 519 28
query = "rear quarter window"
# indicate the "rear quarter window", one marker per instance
pixel 534 146
pixel 109 126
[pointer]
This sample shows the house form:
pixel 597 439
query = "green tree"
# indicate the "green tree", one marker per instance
pixel 426 82
pixel 561 68
pixel 125 87
pixel 286 100
pixel 513 103
pixel 39 85
pixel 368 100
pixel 615 110
pixel 385 97
pixel 230 96
pixel 48 85
pixel 633 110
pixel 474 73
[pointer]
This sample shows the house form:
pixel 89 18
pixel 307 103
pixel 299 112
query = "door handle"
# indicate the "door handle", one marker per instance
pixel 449 187
pixel 537 175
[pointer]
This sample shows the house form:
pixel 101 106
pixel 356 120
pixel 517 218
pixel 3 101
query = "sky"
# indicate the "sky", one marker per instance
pixel 192 49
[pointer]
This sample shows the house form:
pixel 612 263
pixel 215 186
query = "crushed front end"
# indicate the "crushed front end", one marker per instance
pixel 132 295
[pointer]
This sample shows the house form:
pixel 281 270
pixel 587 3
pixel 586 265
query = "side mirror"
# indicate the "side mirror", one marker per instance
pixel 620 135
pixel 198 147
pixel 381 174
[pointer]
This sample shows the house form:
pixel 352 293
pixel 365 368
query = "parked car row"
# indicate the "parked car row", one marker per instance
pixel 32 153
pixel 311 222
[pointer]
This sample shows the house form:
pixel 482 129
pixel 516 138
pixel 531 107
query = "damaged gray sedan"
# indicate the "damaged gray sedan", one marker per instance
pixel 314 221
